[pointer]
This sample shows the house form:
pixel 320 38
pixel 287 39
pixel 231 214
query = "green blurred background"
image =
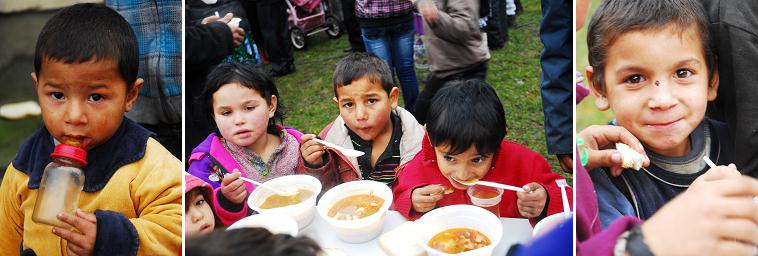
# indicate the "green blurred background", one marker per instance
pixel 586 113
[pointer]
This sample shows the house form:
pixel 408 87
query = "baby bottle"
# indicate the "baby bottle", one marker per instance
pixel 61 183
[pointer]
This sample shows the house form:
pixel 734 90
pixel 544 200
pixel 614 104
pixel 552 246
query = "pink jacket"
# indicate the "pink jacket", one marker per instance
pixel 226 217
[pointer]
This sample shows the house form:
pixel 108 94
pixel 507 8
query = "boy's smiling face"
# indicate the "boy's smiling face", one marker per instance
pixel 657 86
pixel 366 107
pixel 84 101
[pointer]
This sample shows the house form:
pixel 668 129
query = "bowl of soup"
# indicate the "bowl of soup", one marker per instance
pixel 356 209
pixel 459 230
pixel 549 223
pixel 300 206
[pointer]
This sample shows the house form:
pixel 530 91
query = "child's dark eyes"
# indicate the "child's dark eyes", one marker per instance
pixel 683 73
pixel 226 113
pixel 448 158
pixel 372 101
pixel 57 95
pixel 96 97
pixel 477 160
pixel 347 105
pixel 634 79
pixel 200 202
pixel 250 108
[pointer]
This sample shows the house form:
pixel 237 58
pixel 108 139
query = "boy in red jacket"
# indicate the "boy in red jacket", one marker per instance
pixel 464 142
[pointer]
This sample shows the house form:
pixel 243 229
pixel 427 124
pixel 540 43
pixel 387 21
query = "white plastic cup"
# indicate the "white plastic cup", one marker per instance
pixel 491 204
pixel 459 216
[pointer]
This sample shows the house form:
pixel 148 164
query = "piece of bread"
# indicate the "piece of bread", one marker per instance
pixel 631 159
pixel 401 241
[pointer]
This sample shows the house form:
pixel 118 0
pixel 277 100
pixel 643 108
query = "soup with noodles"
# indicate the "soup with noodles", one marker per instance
pixel 356 207
pixel 458 240
pixel 276 200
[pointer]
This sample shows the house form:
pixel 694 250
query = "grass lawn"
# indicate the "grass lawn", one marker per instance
pixel 514 71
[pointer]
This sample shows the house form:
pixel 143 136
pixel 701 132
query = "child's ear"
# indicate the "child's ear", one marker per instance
pixel 34 78
pixel 131 95
pixel 336 102
pixel 600 101
pixel 272 107
pixel 394 94
pixel 714 86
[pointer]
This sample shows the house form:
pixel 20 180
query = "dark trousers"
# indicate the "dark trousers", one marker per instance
pixel 351 26
pixel 272 16
pixel 434 83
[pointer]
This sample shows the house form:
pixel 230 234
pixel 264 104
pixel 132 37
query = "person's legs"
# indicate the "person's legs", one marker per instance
pixel 402 56
pixel 273 19
pixel 377 42
pixel 351 26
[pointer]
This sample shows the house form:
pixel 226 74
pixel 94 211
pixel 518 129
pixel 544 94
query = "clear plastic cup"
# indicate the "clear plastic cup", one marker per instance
pixel 486 197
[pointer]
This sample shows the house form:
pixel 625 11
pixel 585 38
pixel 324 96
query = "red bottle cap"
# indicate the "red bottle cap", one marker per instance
pixel 76 153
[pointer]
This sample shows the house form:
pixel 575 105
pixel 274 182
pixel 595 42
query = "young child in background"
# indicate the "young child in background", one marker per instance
pixel 464 142
pixel 206 208
pixel 370 121
pixel 85 75
pixel 244 105
pixel 652 64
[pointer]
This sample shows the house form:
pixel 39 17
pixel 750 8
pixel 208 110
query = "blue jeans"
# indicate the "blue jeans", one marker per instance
pixel 394 44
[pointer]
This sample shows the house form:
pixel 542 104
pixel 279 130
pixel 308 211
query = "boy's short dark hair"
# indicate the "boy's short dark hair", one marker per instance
pixel 616 17
pixel 466 113
pixel 248 76
pixel 358 65
pixel 250 241
pixel 81 32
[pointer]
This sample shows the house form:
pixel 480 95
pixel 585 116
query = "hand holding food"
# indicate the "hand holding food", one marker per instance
pixel 595 145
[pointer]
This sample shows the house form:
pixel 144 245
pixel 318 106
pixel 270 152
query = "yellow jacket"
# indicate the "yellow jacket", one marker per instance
pixel 146 192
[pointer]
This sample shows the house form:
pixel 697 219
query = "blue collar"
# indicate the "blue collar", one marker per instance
pixel 126 146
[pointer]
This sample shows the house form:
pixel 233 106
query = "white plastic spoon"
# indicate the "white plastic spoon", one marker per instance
pixel 489 184
pixel 289 191
pixel 345 151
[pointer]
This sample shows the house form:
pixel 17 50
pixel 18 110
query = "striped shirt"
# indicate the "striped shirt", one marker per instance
pixel 380 9
pixel 384 169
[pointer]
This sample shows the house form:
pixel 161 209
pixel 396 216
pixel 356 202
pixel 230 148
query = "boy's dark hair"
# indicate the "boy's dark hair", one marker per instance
pixel 466 113
pixel 250 241
pixel 358 65
pixel 81 32
pixel 616 17
pixel 248 76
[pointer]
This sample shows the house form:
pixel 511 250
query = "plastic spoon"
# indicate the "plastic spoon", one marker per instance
pixel 489 184
pixel 345 151
pixel 289 191
pixel 566 209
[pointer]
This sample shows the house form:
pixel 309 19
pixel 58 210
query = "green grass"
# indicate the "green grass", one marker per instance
pixel 514 71
pixel 586 113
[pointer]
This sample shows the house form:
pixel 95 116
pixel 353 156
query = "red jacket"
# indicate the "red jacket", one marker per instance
pixel 513 164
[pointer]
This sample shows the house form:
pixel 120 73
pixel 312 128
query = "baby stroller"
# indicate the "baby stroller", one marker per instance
pixel 308 17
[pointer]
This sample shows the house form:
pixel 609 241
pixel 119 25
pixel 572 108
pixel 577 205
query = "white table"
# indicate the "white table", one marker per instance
pixel 515 230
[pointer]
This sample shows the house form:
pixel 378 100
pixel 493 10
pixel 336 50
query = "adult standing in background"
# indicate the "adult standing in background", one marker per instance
pixel 272 17
pixel 351 27
pixel 208 43
pixel 734 26
pixel 557 85
pixel 158 26
pixel 455 47
pixel 388 32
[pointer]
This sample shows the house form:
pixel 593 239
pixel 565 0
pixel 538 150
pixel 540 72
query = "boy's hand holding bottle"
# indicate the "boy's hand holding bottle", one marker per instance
pixel 532 201
pixel 81 239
